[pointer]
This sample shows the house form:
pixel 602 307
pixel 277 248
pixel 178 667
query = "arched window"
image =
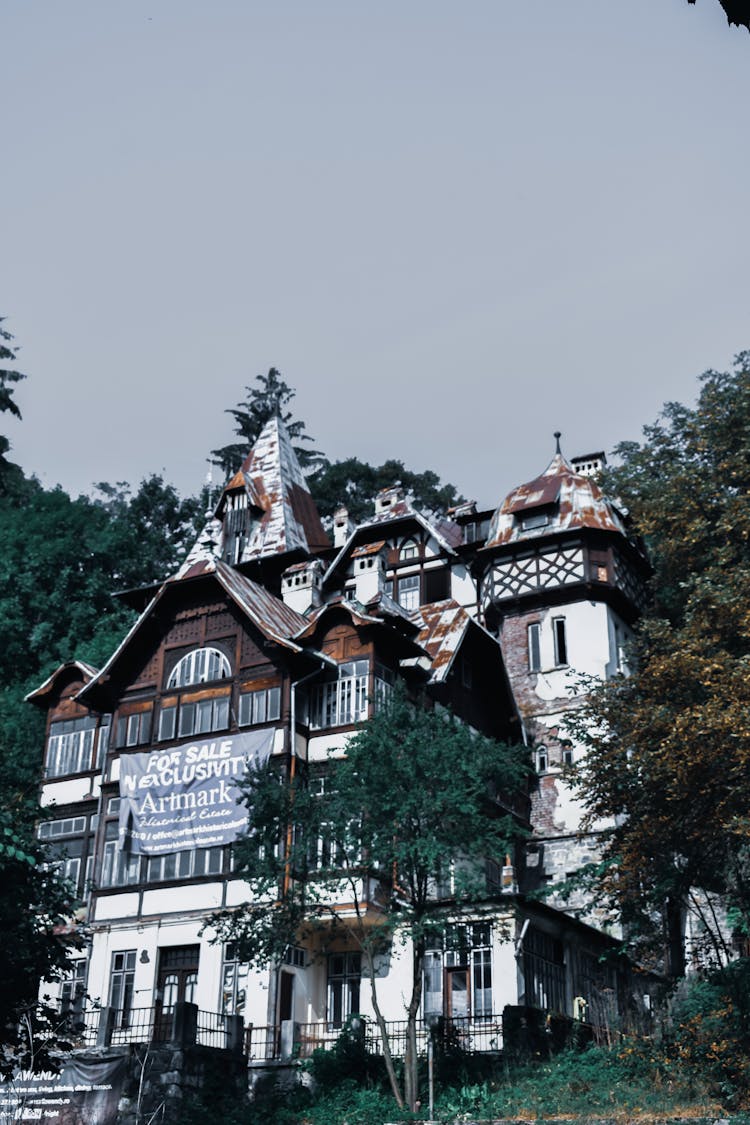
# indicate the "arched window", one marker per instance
pixel 198 667
pixel 408 550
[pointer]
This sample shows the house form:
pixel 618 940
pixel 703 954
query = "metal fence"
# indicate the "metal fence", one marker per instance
pixel 184 1024
pixel 299 1040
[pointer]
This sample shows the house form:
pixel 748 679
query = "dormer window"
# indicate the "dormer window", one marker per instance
pixel 532 521
pixel 408 551
pixel 199 667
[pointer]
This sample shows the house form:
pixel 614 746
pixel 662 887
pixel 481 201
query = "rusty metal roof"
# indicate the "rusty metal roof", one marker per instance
pixel 368 549
pixel 444 625
pixel 570 499
pixel 276 490
pixel 448 534
pixel 278 621
pixel 443 628
pixel 86 670
pixel 275 620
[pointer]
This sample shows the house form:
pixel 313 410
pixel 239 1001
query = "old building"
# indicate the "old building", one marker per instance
pixel 273 641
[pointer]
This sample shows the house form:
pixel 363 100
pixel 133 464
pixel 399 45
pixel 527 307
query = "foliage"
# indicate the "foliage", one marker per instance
pixel 355 484
pixel 8 375
pixel 629 1079
pixel 59 559
pixel 270 397
pixel 9 473
pixel 711 1031
pixel 668 749
pixel 404 754
pixel 34 906
pixel 736 11
pixel 347 1061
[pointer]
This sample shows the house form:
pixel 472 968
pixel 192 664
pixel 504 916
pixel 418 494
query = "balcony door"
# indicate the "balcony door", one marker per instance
pixel 177 980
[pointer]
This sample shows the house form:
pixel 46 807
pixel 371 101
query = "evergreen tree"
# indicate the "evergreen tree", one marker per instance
pixel 10 475
pixel 271 396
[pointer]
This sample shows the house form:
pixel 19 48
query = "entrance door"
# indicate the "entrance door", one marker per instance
pixel 457 993
pixel 177 980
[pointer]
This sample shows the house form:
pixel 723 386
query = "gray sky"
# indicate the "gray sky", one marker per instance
pixel 454 227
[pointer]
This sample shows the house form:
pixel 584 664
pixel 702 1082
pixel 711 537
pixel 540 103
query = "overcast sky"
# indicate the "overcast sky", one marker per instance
pixel 455 227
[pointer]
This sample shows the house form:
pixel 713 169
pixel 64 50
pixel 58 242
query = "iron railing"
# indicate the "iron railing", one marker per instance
pixel 185 1023
pixel 473 1035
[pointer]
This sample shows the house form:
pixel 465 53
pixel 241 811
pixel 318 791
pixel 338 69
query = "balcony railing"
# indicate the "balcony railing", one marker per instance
pixel 185 1024
pixel 299 1040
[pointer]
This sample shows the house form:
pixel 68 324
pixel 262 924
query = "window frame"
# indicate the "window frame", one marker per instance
pixel 560 637
pixel 196 667
pixel 534 646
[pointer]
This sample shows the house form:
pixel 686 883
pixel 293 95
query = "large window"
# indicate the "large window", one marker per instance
pixel 72 990
pixel 186 717
pixel 344 701
pixel 262 706
pixel 458 978
pixel 121 983
pixel 344 975
pixel 134 728
pixel 69 826
pixel 408 592
pixel 234 979
pixel 71 746
pixel 199 667
pixel 119 868
pixel 186 864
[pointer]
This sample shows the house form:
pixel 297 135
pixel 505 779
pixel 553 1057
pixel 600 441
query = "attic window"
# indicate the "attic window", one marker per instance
pixel 199 667
pixel 408 550
pixel 534 520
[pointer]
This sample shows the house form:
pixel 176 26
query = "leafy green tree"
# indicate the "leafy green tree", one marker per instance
pixel 389 819
pixel 271 396
pixel 668 749
pixel 355 484
pixel 35 908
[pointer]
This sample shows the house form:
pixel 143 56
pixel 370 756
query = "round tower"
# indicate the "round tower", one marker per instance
pixel 562 582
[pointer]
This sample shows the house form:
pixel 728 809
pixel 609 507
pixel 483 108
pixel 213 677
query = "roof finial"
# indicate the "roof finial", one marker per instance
pixel 557 435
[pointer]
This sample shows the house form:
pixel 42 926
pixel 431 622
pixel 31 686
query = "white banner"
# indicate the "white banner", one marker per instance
pixel 179 797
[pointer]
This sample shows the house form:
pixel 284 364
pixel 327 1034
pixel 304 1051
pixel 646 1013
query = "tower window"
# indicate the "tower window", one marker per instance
pixel 534 521
pixel 542 761
pixel 408 592
pixel 535 658
pixel 561 643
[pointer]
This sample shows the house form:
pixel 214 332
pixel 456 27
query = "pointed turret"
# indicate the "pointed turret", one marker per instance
pixel 266 510
pixel 560 499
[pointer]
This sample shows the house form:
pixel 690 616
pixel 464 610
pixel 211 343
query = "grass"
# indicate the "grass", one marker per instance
pixel 590 1084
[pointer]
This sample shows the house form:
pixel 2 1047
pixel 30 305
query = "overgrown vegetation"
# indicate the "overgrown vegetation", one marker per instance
pixel 627 1080
pixel 668 748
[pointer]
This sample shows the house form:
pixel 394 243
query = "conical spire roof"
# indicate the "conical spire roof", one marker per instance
pixel 271 488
